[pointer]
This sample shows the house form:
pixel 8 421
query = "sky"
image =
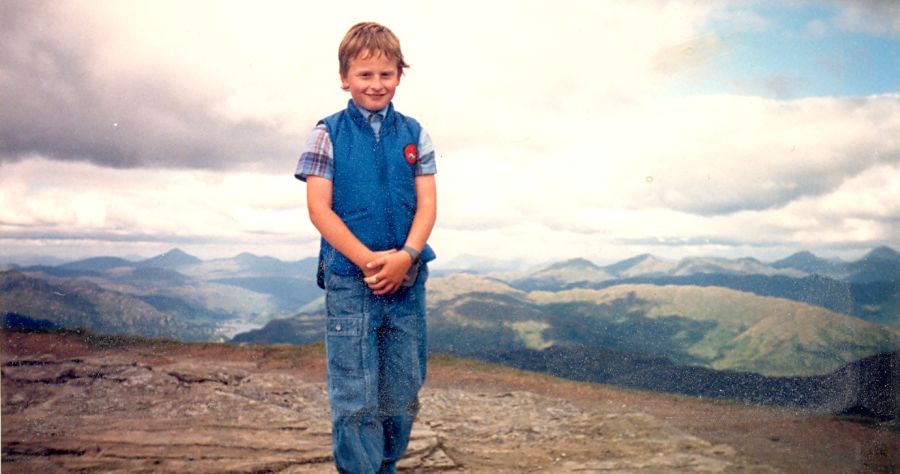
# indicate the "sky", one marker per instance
pixel 593 129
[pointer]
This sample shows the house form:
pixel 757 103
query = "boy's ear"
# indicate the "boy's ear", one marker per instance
pixel 345 84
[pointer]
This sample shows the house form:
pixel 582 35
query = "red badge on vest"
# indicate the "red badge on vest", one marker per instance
pixel 411 153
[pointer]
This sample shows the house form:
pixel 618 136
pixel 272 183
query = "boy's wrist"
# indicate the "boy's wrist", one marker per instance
pixel 413 253
pixel 404 257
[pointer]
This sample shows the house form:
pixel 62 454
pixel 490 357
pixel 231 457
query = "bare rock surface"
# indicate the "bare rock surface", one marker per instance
pixel 499 431
pixel 67 407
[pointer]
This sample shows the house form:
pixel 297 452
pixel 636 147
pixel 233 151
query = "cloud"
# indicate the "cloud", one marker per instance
pixel 702 155
pixel 720 154
pixel 874 17
pixel 864 209
pixel 70 92
pixel 42 199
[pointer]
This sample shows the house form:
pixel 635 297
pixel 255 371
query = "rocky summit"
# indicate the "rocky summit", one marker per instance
pixel 77 403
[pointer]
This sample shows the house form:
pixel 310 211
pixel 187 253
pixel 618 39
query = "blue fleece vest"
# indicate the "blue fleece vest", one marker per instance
pixel 374 183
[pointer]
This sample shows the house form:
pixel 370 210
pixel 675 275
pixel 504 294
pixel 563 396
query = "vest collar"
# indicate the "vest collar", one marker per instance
pixel 361 116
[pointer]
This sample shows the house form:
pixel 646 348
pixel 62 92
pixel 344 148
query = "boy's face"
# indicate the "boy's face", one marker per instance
pixel 371 80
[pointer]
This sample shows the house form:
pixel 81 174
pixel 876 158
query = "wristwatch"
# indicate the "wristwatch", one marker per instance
pixel 412 253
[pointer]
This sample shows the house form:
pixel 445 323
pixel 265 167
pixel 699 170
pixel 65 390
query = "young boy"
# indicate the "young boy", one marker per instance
pixel 370 190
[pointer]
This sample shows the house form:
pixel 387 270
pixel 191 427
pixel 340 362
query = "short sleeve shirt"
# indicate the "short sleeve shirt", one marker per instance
pixel 317 158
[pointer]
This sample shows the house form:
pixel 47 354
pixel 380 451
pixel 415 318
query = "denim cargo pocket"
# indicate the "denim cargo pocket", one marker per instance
pixel 345 297
pixel 344 345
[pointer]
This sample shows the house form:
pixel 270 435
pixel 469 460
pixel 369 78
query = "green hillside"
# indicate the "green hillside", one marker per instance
pixel 721 328
pixel 795 343
pixel 712 327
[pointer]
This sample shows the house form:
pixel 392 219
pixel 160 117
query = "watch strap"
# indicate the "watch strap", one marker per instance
pixel 412 252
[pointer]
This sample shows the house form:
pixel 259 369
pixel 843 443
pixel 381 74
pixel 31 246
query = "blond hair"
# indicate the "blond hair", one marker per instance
pixel 369 38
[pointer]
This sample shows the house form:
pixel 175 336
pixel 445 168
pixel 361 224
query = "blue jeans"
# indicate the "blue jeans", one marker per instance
pixel 376 351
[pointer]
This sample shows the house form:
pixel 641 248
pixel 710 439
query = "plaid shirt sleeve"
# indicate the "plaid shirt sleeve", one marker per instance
pixel 317 158
pixel 425 164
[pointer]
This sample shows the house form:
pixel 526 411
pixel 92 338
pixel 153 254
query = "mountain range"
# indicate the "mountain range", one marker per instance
pixel 868 288
pixel 717 322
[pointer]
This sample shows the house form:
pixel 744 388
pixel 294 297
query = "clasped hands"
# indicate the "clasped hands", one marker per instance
pixel 387 271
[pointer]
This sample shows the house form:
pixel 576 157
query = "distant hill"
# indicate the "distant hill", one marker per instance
pixel 97 264
pixel 263 264
pixel 809 263
pixel 12 262
pixel 569 272
pixel 743 266
pixel 247 265
pixel 879 265
pixel 443 289
pixel 172 259
pixel 644 264
pixel 148 277
pixel 81 304
pixel 882 253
